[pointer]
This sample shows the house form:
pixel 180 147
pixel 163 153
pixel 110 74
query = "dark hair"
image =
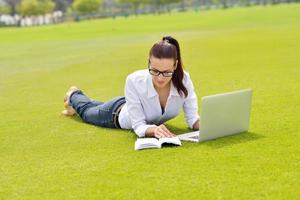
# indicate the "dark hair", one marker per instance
pixel 168 47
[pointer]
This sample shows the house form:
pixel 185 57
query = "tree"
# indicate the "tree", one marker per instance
pixel 167 2
pixel 158 4
pixel 224 4
pixel 135 4
pixel 13 4
pixel 4 9
pixel 29 8
pixel 35 7
pixel 45 6
pixel 62 5
pixel 86 6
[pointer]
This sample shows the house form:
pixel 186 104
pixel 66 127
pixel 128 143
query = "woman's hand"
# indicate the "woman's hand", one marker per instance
pixel 162 131
pixel 159 132
pixel 196 125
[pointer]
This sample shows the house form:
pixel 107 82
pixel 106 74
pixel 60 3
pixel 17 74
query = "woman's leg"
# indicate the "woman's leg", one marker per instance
pixel 94 112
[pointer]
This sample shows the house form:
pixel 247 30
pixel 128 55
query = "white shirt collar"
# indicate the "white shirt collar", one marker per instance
pixel 152 92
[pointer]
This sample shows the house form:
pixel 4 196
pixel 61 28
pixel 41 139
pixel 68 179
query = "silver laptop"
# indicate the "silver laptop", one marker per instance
pixel 222 115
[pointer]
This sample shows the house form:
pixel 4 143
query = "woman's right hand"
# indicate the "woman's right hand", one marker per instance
pixel 162 131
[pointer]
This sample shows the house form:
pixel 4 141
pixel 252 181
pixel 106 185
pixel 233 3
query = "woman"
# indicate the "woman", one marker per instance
pixel 152 97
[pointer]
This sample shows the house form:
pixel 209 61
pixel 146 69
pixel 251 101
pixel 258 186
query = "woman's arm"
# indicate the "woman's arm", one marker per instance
pixel 135 109
pixel 190 105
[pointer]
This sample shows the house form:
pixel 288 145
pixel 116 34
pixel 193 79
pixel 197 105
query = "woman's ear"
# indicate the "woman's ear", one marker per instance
pixel 176 62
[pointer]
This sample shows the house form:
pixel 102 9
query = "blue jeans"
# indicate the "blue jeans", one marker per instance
pixel 96 112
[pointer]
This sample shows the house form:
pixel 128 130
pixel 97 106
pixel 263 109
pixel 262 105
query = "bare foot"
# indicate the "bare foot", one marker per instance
pixel 69 111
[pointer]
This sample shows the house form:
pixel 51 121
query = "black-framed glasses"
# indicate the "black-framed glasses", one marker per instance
pixel 156 72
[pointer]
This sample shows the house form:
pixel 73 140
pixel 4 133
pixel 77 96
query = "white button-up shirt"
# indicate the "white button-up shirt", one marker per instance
pixel 143 109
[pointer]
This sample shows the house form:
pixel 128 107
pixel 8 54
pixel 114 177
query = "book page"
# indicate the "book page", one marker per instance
pixel 172 140
pixel 144 143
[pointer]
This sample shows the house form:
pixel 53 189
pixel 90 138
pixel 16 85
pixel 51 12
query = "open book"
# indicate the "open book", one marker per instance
pixel 145 143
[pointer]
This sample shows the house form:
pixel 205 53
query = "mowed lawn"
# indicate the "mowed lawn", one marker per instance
pixel 44 155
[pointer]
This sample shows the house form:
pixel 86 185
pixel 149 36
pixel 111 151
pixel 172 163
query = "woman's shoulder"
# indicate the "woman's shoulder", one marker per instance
pixel 186 76
pixel 138 76
pixel 138 82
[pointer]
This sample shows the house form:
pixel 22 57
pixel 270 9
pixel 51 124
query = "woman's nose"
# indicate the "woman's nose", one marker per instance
pixel 160 77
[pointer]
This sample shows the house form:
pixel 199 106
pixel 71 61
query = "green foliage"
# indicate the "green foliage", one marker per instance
pixel 29 8
pixel 35 7
pixel 134 1
pixel 86 6
pixel 4 9
pixel 45 6
pixel 170 1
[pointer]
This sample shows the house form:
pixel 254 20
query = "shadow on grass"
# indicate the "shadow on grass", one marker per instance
pixel 77 119
pixel 176 130
pixel 233 139
pixel 220 142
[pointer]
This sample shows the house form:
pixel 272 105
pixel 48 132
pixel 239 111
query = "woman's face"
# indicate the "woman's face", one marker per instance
pixel 161 65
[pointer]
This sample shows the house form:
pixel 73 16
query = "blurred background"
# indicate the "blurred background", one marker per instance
pixel 41 12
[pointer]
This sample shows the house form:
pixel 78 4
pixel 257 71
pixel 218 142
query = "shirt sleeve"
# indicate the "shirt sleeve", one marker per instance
pixel 190 105
pixel 135 109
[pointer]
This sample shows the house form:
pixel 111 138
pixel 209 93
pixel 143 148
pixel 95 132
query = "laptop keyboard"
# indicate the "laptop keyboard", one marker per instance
pixel 195 137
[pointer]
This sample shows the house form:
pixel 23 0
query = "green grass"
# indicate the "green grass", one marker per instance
pixel 44 155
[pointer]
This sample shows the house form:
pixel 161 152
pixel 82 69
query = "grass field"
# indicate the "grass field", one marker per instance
pixel 44 155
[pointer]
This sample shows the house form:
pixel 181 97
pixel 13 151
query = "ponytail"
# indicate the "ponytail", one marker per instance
pixel 178 75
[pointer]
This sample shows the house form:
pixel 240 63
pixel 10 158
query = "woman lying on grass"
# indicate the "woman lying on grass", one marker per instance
pixel 152 97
